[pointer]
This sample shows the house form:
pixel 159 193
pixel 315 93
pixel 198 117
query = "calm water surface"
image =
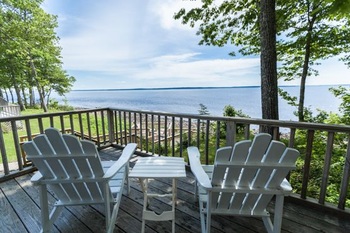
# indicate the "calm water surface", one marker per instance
pixel 187 100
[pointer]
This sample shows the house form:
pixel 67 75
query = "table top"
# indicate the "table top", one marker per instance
pixel 157 167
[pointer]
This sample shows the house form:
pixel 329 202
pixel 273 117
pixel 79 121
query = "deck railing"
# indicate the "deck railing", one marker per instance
pixel 169 134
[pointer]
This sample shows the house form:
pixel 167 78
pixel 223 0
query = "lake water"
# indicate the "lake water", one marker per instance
pixel 246 99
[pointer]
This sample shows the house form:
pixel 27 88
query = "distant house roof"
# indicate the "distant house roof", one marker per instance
pixel 3 102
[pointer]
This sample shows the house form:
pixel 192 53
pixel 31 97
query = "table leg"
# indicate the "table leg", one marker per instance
pixel 168 215
pixel 174 203
pixel 144 185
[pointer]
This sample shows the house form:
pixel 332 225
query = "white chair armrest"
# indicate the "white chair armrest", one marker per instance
pixel 36 178
pixel 122 161
pixel 286 186
pixel 197 169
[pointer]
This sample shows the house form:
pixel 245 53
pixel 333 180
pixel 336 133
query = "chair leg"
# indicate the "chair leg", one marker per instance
pixel 202 216
pixel 107 204
pixel 277 220
pixel 276 226
pixel 45 220
pixel 113 218
pixel 205 215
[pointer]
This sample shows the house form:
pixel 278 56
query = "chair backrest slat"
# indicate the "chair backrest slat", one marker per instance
pixel 271 162
pixel 56 141
pixel 94 163
pixel 31 148
pixel 64 157
pixel 256 153
pixel 273 156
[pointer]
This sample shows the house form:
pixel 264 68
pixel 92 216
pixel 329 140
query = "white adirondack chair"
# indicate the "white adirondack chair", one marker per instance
pixel 244 179
pixel 74 172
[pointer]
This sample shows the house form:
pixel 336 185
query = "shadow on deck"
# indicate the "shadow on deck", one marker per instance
pixel 21 212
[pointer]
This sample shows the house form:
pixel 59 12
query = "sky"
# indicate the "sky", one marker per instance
pixel 121 44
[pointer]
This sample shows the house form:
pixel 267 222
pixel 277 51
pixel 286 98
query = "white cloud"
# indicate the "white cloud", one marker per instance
pixel 165 10
pixel 129 44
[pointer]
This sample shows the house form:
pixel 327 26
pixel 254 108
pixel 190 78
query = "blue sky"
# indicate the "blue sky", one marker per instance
pixel 137 44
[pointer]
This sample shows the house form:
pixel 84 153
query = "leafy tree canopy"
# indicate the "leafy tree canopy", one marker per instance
pixel 308 31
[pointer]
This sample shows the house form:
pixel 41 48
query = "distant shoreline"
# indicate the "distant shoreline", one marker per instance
pixel 192 88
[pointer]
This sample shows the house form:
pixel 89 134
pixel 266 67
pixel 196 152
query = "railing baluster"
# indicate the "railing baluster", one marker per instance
pixel 130 130
pixel 276 133
pixel 181 140
pixel 207 142
pixel 141 128
pixel 327 164
pixel 88 121
pixel 125 130
pixel 198 132
pixel 173 136
pixel 115 114
pixel 81 126
pixel 17 147
pixel 307 163
pixel 3 153
pixel 97 129
pixel 71 120
pixel 103 126
pixel 152 123
pixel 166 136
pixel 135 127
pixel 147 132
pixel 346 177
pixel 292 137
pixel 28 129
pixel 158 129
pixel 40 123
pixel 189 132
pixel 217 145
pixel 62 124
pixel 247 132
pixel 120 127
pixel 52 122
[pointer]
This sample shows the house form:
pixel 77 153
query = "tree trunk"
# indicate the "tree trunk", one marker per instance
pixel 31 97
pixel 41 96
pixel 25 100
pixel 19 97
pixel 305 71
pixel 268 61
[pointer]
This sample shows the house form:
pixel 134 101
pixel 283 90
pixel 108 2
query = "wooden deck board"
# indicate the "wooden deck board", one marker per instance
pixel 20 211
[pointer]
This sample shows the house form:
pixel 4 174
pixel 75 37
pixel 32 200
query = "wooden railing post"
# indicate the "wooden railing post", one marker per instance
pixel 111 126
pixel 230 133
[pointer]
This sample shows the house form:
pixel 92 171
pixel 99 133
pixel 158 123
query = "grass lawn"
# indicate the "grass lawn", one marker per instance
pixel 34 125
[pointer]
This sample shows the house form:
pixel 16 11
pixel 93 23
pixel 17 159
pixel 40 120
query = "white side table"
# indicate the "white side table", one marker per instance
pixel 158 167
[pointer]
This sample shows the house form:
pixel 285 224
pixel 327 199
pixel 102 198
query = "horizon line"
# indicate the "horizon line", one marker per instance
pixel 189 88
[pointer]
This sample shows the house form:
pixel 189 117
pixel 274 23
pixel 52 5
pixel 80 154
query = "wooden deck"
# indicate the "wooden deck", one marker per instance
pixel 20 212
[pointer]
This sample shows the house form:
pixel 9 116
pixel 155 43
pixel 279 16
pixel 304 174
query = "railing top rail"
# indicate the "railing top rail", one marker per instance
pixel 42 115
pixel 252 121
